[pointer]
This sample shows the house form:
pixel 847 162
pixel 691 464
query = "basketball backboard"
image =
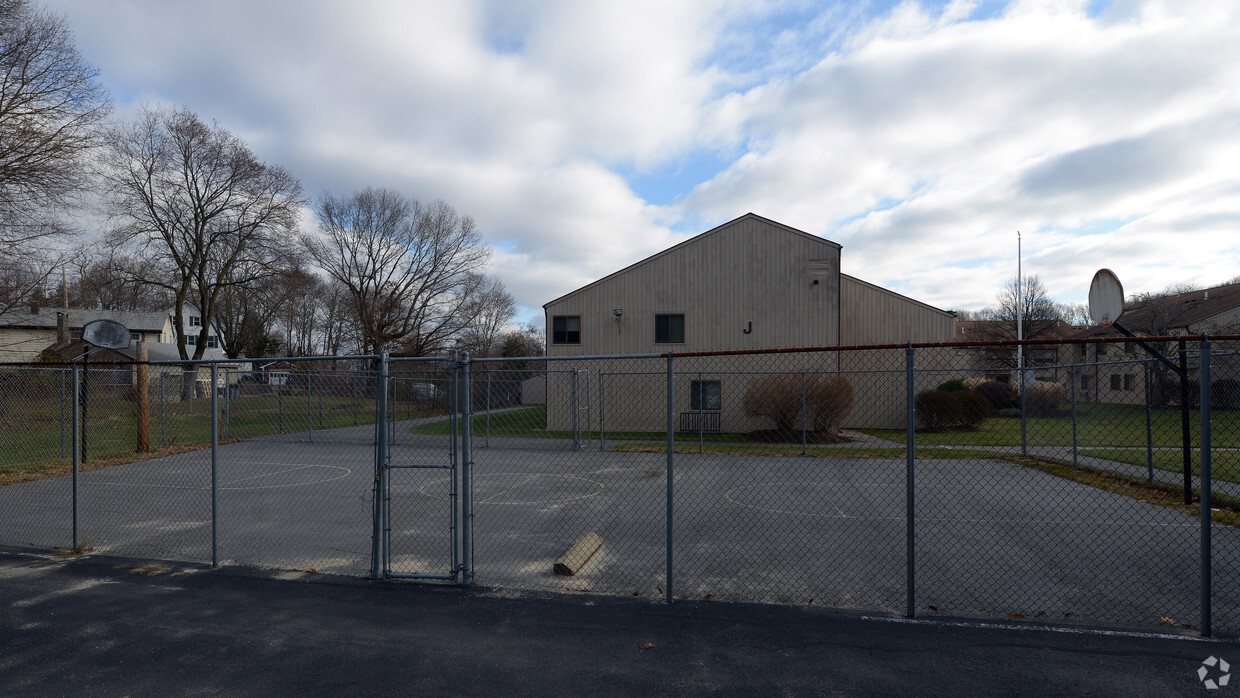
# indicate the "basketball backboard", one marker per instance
pixel 1106 298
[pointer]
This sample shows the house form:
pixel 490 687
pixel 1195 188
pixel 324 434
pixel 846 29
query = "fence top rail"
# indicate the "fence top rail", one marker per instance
pixel 1057 341
pixel 958 345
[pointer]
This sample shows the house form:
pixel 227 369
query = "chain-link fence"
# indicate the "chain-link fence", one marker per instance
pixel 1054 481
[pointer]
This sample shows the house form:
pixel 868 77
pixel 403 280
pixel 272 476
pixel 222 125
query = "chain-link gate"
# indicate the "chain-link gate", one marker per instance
pixel 420 506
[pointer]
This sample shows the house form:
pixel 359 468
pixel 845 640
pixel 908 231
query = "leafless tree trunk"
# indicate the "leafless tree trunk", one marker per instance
pixel 410 268
pixel 194 202
pixel 489 312
pixel 51 107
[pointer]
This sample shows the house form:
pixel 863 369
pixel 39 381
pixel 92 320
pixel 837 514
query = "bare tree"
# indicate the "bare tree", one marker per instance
pixel 410 268
pixel 1039 317
pixel 1076 314
pixel 192 199
pixel 103 278
pixel 51 105
pixel 489 310
pixel 247 312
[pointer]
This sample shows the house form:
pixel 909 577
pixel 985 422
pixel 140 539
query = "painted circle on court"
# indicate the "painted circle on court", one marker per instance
pixel 295 476
pixel 822 499
pixel 521 488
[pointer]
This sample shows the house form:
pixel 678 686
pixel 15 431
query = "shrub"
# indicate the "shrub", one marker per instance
pixel 1000 396
pixel 940 409
pixel 974 409
pixel 972 383
pixel 1166 391
pixel 1225 394
pixel 828 401
pixel 937 409
pixel 777 398
pixel 1044 399
pixel 951 386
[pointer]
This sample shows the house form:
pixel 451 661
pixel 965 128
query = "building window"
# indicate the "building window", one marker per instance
pixel 211 342
pixel 195 321
pixel 191 340
pixel 705 395
pixel 1087 382
pixel 1102 350
pixel 566 329
pixel 1116 381
pixel 1130 381
pixel 669 329
pixel 135 337
pixel 1084 350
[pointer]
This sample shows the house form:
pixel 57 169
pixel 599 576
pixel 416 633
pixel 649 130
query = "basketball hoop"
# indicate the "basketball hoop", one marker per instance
pixel 1106 298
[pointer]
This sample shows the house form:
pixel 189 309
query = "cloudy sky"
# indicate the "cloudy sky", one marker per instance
pixel 584 136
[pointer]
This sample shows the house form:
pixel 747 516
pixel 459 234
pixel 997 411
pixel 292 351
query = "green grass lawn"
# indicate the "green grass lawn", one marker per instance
pixel 1097 426
pixel 531 422
pixel 38 438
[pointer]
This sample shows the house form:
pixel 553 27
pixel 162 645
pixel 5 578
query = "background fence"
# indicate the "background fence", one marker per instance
pixel 922 480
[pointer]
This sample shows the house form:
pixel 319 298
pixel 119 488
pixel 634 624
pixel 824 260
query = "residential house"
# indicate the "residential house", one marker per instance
pixel 1116 373
pixel 749 284
pixel 27 331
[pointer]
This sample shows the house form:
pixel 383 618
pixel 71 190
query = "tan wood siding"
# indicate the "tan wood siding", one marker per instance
pixel 746 275
pixel 871 314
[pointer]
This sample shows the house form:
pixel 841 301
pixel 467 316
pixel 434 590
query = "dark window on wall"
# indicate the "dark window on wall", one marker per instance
pixel 195 321
pixel 135 337
pixel 1084 350
pixel 211 341
pixel 1116 381
pixel 669 329
pixel 705 395
pixel 1087 382
pixel 1102 350
pixel 566 329
pixel 191 339
pixel 1130 381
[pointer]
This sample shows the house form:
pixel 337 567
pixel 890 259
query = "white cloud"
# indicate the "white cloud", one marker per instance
pixel 921 139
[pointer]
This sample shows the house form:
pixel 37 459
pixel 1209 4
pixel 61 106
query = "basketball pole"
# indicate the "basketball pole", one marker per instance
pixel 1020 348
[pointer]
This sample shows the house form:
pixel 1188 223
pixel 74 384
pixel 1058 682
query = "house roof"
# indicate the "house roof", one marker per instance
pixel 692 240
pixel 1189 308
pixel 45 318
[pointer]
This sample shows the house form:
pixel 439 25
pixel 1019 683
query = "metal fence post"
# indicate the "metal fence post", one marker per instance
pixel 215 478
pixel 803 413
pixel 227 404
pixel 280 403
pixel 62 415
pixel 910 443
pixel 309 409
pixel 378 534
pixel 1206 579
pixel 576 414
pixel 467 485
pixel 1149 426
pixel 671 461
pixel 77 451
pixel 1075 448
pixel 488 407
pixel 1024 422
pixel 602 433
pixel 163 410
pixel 700 395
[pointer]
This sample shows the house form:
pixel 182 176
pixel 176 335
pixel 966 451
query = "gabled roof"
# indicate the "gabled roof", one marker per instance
pixel 692 240
pixel 1189 308
pixel 21 317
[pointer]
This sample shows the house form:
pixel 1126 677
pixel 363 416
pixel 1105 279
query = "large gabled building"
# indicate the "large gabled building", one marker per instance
pixel 749 284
